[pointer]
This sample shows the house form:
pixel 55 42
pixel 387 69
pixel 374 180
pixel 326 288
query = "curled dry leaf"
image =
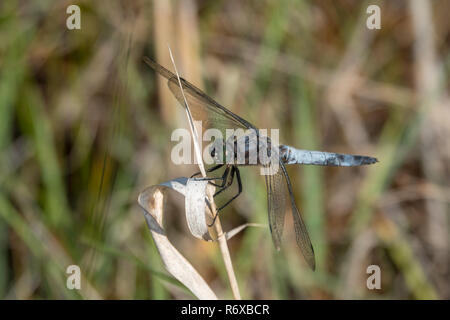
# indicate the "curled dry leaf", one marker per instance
pixel 151 201
pixel 230 234
pixel 195 209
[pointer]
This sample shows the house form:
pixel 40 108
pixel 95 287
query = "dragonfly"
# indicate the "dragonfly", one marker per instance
pixel 280 197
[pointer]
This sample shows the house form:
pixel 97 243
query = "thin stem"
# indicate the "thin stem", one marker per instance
pixel 221 238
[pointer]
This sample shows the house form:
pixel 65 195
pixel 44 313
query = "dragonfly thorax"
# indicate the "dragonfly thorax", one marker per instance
pixel 248 149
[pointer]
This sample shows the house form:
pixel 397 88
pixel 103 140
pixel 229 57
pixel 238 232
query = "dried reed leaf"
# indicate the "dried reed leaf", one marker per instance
pixel 195 209
pixel 230 234
pixel 151 201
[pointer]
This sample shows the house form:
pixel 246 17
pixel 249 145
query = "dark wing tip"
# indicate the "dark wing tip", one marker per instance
pixel 311 259
pixel 158 68
pixel 149 61
pixel 312 265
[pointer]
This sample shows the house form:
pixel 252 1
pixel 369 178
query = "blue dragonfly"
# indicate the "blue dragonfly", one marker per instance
pixel 279 188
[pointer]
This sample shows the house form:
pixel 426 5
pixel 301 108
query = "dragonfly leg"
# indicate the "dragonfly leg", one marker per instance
pixel 213 178
pixel 238 177
pixel 224 179
pixel 227 182
pixel 219 185
pixel 216 167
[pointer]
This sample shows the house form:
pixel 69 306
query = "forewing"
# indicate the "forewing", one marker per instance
pixel 203 108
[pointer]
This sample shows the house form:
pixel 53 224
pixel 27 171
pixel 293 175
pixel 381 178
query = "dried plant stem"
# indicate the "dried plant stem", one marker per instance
pixel 221 238
pixel 152 201
pixel 227 260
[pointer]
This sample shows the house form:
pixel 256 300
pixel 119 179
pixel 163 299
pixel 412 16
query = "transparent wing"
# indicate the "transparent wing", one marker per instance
pixel 203 108
pixel 276 206
pixel 279 194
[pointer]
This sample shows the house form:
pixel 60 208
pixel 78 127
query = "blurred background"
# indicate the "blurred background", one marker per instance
pixel 85 126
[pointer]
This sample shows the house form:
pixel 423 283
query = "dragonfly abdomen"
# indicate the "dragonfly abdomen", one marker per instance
pixel 290 155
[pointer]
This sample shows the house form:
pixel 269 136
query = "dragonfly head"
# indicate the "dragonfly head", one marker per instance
pixel 217 151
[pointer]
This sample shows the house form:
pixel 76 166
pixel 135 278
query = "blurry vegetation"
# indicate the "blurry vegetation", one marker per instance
pixel 85 126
